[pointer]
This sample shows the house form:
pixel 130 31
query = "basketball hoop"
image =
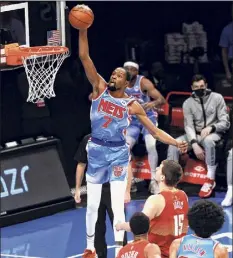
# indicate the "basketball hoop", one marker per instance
pixel 41 66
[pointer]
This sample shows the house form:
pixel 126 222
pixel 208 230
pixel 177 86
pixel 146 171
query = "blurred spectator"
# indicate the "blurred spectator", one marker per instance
pixel 157 74
pixel 205 121
pixel 226 43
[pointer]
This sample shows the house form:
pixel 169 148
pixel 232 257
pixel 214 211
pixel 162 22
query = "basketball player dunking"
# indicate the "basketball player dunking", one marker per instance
pixel 140 247
pixel 167 210
pixel 107 150
pixel 143 90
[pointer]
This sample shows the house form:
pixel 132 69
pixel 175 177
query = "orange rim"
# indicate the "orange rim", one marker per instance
pixel 14 54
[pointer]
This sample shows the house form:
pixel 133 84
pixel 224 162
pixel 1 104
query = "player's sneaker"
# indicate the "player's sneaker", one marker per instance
pixel 227 200
pixel 89 254
pixel 207 188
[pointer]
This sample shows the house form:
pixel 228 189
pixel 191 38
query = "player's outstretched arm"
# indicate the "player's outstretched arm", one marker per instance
pixel 152 251
pixel 160 135
pixel 174 248
pixel 94 78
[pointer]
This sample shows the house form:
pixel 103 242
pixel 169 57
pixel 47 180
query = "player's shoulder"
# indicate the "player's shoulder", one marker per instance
pixel 175 245
pixel 135 108
pixel 145 81
pixel 154 198
pixel 182 193
pixel 177 242
pixel 158 200
pixel 220 251
pixel 184 197
pixel 152 249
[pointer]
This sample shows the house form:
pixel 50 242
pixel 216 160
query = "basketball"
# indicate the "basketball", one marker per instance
pixel 81 17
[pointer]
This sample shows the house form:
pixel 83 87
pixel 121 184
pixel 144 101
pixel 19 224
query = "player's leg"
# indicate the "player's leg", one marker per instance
pixel 93 201
pixel 108 204
pixel 153 161
pixel 132 134
pixel 100 228
pixel 117 196
pixel 118 171
pixel 95 177
pixel 150 143
pixel 228 198
pixel 209 145
pixel 152 152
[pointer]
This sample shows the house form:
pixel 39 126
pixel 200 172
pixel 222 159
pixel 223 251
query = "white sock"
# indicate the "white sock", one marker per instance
pixel 211 171
pixel 229 189
pixel 117 197
pixel 93 201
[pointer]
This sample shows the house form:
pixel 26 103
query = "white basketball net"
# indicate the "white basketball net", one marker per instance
pixel 41 72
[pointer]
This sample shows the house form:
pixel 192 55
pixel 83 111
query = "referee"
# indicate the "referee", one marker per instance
pixel 105 203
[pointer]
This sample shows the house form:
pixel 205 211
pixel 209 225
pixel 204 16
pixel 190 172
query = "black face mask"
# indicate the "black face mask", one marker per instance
pixel 200 92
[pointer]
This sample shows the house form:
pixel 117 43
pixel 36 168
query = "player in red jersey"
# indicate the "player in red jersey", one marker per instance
pixel 140 247
pixel 167 210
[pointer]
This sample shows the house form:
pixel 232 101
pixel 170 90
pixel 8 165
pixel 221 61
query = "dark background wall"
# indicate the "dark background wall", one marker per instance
pixel 116 21
pixel 68 113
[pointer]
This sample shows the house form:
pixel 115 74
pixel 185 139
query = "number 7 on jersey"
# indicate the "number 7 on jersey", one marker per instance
pixel 108 121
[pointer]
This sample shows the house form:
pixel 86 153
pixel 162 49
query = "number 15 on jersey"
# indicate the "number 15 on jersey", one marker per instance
pixel 178 224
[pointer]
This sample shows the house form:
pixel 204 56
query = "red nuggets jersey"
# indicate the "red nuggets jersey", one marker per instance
pixel 172 223
pixel 134 249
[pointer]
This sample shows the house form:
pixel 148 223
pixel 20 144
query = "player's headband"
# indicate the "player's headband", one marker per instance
pixel 132 64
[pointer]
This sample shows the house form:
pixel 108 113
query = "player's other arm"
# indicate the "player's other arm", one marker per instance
pixel 148 87
pixel 220 251
pixel 160 135
pixel 79 178
pixel 94 78
pixel 152 251
pixel 152 208
pixel 174 248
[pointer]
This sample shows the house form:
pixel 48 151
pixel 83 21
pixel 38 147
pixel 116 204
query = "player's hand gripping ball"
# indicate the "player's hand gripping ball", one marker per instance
pixel 81 17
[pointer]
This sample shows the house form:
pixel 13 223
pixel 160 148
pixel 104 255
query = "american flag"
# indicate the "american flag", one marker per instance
pixel 53 38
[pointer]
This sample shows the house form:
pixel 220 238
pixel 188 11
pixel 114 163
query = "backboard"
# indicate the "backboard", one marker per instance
pixel 33 24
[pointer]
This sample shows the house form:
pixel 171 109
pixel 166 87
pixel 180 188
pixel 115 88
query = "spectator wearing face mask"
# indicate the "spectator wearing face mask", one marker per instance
pixel 205 121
